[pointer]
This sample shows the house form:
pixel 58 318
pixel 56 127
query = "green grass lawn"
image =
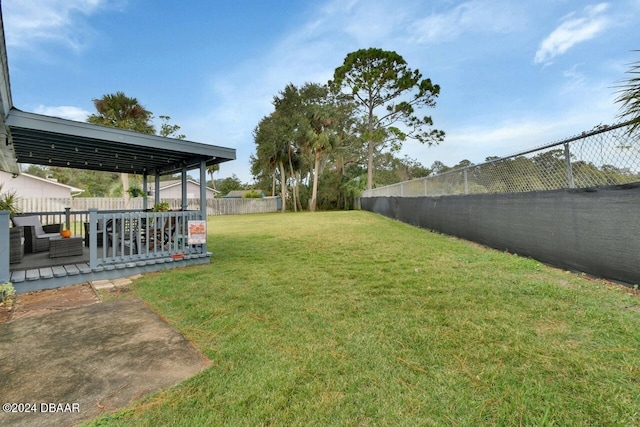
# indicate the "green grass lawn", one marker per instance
pixel 349 318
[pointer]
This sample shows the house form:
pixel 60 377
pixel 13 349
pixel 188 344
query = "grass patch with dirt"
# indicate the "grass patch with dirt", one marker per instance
pixel 349 318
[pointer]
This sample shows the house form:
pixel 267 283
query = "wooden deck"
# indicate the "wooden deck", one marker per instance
pixel 39 271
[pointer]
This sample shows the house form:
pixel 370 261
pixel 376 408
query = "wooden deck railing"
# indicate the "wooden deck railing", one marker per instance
pixel 138 237
pixel 216 206
pixel 118 238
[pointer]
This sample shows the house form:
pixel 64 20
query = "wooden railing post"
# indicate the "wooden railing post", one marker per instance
pixel 93 238
pixel 5 249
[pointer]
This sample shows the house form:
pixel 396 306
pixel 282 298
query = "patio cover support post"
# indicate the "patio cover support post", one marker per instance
pixel 144 189
pixel 5 250
pixel 203 198
pixel 156 190
pixel 203 189
pixel 93 238
pixel 184 188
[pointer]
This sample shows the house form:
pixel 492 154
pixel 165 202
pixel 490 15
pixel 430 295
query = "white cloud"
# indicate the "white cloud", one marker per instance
pixel 60 21
pixel 574 80
pixel 63 112
pixel 573 30
pixel 472 16
pixel 370 23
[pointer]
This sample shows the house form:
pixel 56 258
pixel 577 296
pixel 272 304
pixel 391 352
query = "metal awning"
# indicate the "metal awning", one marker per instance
pixel 51 141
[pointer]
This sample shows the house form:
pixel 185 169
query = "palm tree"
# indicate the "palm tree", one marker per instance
pixel 327 119
pixel 629 97
pixel 213 169
pixel 119 111
pixel 271 137
pixel 320 140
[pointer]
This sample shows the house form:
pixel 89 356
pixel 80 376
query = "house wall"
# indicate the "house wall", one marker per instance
pixel 30 188
pixel 175 192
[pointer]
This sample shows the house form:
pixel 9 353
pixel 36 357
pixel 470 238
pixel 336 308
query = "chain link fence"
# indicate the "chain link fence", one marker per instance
pixel 606 155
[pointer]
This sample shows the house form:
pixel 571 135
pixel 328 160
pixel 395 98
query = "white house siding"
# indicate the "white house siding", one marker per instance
pixel 28 187
pixel 174 191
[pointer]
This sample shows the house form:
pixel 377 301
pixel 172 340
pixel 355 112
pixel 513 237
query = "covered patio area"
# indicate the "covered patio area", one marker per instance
pixel 115 243
pixel 109 244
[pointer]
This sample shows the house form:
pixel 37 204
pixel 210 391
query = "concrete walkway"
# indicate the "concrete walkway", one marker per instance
pixel 68 365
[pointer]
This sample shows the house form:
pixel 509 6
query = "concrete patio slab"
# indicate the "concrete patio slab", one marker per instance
pixel 69 366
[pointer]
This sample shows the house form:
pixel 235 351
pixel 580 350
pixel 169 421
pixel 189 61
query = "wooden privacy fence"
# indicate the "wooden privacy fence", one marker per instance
pixel 241 206
pixel 214 206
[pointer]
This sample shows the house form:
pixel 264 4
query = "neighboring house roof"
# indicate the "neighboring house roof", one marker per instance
pixel 174 182
pixel 241 193
pixel 7 177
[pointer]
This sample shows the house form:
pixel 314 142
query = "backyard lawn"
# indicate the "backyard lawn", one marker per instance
pixel 349 318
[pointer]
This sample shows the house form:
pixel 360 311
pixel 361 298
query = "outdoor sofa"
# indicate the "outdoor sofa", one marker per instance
pixel 36 235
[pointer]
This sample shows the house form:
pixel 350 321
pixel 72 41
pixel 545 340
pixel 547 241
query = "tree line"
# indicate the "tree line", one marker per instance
pixel 324 143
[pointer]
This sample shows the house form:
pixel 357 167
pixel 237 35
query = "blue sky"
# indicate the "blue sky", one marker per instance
pixel 513 74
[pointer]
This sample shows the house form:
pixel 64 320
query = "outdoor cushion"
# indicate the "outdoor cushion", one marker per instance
pixel 36 235
pixel 29 221
pixel 48 235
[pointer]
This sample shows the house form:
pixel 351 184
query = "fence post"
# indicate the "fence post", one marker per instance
pixel 426 192
pixel 67 218
pixel 567 164
pixel 466 182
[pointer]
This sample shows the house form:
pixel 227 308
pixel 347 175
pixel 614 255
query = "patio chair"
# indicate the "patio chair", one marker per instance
pixel 99 236
pixel 36 235
pixel 160 238
pixel 122 235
